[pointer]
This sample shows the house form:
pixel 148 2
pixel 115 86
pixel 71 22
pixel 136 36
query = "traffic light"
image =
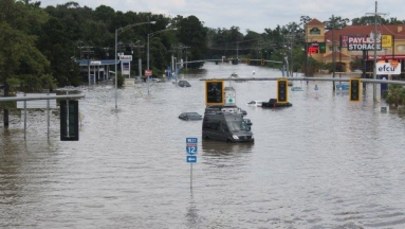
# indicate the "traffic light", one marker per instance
pixel 282 91
pixel 354 89
pixel 214 92
pixel 69 120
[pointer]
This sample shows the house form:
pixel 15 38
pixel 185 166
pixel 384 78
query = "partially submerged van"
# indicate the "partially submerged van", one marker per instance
pixel 226 123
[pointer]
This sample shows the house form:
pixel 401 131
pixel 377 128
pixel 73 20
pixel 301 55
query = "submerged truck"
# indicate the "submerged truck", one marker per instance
pixel 226 123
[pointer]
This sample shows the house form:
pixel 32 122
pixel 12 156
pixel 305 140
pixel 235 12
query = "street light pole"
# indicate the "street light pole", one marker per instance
pixel 115 70
pixel 147 52
pixel 375 14
pixel 115 54
pixel 147 63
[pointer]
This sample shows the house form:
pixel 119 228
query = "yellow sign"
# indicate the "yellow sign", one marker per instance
pixel 386 41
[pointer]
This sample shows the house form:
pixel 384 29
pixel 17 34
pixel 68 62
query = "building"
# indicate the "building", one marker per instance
pixel 355 43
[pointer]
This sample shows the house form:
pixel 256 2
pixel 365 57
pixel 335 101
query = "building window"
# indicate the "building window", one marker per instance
pixel 315 30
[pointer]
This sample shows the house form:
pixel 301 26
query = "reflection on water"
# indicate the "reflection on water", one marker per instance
pixel 216 148
pixel 325 162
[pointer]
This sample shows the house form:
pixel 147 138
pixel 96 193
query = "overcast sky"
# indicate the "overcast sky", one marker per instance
pixel 255 15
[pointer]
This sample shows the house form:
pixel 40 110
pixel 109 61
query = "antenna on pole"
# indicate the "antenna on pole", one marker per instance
pixel 375 14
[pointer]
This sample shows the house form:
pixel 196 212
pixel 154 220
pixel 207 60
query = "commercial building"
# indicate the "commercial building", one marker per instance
pixel 356 43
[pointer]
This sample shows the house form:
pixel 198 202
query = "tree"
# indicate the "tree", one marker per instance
pixel 20 60
pixel 19 56
pixel 192 34
pixel 59 50
pixel 396 95
pixel 305 19
pixel 367 20
pixel 336 22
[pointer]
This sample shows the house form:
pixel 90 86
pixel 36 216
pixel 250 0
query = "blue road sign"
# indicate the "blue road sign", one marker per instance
pixel 192 140
pixel 191 159
pixel 191 149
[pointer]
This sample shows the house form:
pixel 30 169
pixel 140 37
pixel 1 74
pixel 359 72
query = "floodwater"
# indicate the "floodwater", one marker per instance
pixel 325 162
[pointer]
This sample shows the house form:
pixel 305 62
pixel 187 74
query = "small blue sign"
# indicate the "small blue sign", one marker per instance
pixel 191 159
pixel 192 140
pixel 191 149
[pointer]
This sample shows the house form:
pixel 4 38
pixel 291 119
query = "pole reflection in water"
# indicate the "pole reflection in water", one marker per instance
pixel 192 217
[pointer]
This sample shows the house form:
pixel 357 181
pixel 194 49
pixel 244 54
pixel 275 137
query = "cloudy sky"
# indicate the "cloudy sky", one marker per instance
pixel 255 15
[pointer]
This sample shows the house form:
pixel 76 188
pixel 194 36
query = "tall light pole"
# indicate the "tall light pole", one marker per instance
pixel 147 48
pixel 333 52
pixel 375 14
pixel 118 30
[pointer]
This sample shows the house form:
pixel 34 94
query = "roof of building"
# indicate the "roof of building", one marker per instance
pixel 398 31
pixel 315 22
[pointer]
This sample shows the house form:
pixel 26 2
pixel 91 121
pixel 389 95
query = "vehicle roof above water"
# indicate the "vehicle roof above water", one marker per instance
pixel 212 110
pixel 221 108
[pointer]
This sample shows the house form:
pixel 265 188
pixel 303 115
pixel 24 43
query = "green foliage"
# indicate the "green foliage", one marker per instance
pixel 193 36
pixel 395 95
pixel 120 80
pixel 48 82
pixel 19 56
pixel 312 66
pixel 370 20
pixel 336 22
pixel 13 84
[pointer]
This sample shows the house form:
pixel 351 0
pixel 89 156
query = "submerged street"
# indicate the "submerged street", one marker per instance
pixel 324 162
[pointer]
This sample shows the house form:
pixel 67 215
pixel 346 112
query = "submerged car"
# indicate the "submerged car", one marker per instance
pixel 184 83
pixel 255 103
pixel 226 124
pixel 272 103
pixel 190 116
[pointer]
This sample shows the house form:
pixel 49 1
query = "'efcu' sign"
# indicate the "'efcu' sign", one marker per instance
pixel 390 67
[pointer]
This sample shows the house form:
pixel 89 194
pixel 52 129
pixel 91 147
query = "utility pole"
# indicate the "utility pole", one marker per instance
pixel 376 14
pixel 291 54
pixel 333 51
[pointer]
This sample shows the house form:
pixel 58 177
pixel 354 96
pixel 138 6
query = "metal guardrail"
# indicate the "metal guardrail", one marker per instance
pixel 336 79
pixel 27 98
pixel 41 97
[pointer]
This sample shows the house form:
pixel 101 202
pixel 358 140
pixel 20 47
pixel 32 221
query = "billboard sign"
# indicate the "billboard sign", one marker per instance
pixel 362 43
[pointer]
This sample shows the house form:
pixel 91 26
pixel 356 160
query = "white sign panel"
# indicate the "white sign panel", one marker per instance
pixel 126 58
pixel 36 104
pixel 358 43
pixel 230 97
pixel 95 62
pixel 126 68
pixel 388 68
